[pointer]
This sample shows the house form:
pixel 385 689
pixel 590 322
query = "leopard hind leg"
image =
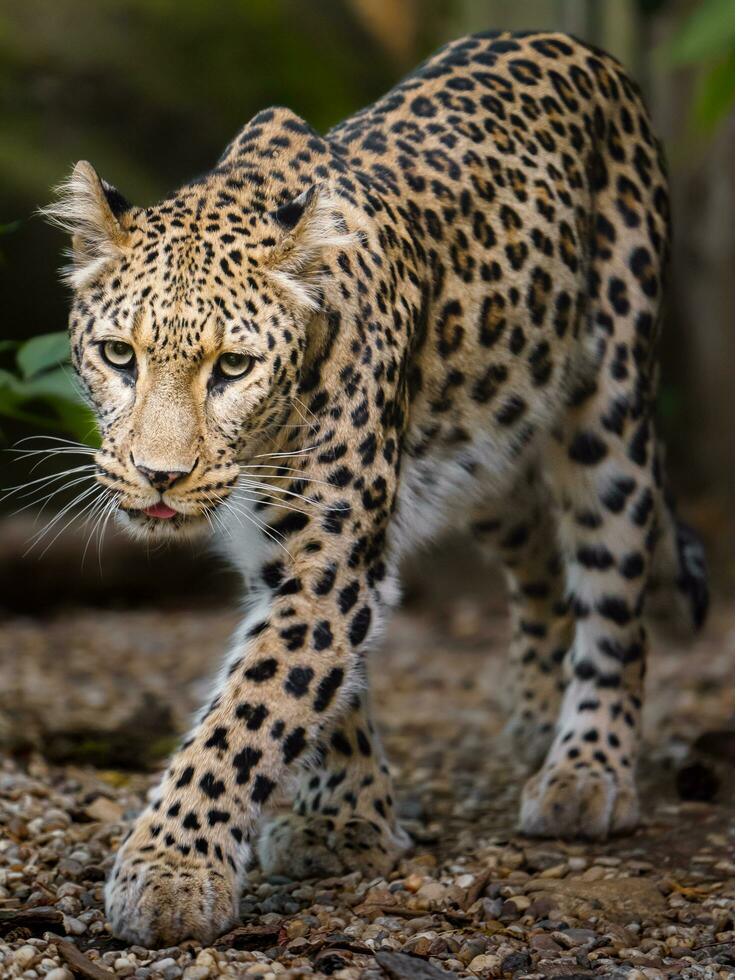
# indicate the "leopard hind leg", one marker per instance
pixel 343 816
pixel 521 532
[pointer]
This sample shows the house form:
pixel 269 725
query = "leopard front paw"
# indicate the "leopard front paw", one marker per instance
pixel 158 898
pixel 314 847
pixel 564 801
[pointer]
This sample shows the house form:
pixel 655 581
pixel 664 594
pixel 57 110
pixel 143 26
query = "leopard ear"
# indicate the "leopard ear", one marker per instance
pixel 90 210
pixel 304 228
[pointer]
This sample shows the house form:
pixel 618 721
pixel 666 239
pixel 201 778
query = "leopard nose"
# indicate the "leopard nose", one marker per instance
pixel 162 480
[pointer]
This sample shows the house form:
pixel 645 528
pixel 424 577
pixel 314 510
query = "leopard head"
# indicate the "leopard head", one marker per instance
pixel 189 330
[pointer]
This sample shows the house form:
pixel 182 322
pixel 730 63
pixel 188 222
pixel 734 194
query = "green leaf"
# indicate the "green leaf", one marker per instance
pixel 708 33
pixel 715 93
pixel 40 353
pixel 11 406
pixel 54 415
pixel 58 383
pixel 48 401
pixel 9 345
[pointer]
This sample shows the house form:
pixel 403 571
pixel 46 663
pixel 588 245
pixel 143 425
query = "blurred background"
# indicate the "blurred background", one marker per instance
pixel 151 91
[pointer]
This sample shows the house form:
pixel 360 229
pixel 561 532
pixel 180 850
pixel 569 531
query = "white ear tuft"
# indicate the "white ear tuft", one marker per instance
pixel 88 209
pixel 306 227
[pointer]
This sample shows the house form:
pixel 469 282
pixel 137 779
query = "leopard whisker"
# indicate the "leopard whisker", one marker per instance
pixel 47 479
pixel 66 442
pixel 301 406
pixel 82 495
pixel 43 454
pixel 269 503
pixel 273 491
pixel 286 454
pixel 102 528
pixel 68 524
pixel 53 453
pixel 98 511
pixel 44 531
pixel 244 468
pixel 43 501
pixel 111 507
pixel 262 527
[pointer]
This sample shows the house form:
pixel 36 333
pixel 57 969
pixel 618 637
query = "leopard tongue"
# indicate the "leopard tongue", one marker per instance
pixel 162 511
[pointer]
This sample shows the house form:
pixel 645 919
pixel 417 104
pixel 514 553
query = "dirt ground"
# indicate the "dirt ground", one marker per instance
pixel 472 899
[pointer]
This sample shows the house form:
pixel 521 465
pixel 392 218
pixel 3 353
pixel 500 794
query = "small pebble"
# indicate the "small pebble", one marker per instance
pixel 486 964
pixel 25 956
pixel 73 926
pixel 196 973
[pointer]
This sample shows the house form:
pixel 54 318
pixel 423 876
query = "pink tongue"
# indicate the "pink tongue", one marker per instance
pixel 162 511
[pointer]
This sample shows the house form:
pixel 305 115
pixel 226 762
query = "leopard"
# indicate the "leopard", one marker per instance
pixel 440 318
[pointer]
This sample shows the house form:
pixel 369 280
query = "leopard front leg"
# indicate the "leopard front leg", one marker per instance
pixel 294 668
pixel 343 816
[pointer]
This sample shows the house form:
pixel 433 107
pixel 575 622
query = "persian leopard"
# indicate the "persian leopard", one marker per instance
pixel 440 315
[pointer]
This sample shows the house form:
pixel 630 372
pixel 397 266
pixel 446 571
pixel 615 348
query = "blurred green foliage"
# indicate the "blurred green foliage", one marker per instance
pixel 706 40
pixel 39 387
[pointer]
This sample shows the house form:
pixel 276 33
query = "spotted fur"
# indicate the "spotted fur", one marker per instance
pixel 447 310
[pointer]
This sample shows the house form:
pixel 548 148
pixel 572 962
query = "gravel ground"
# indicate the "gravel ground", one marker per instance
pixel 472 899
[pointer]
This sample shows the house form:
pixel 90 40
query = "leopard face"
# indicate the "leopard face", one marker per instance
pixel 188 346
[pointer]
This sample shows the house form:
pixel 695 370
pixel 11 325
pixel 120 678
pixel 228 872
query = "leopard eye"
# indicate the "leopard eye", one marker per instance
pixel 232 365
pixel 118 354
